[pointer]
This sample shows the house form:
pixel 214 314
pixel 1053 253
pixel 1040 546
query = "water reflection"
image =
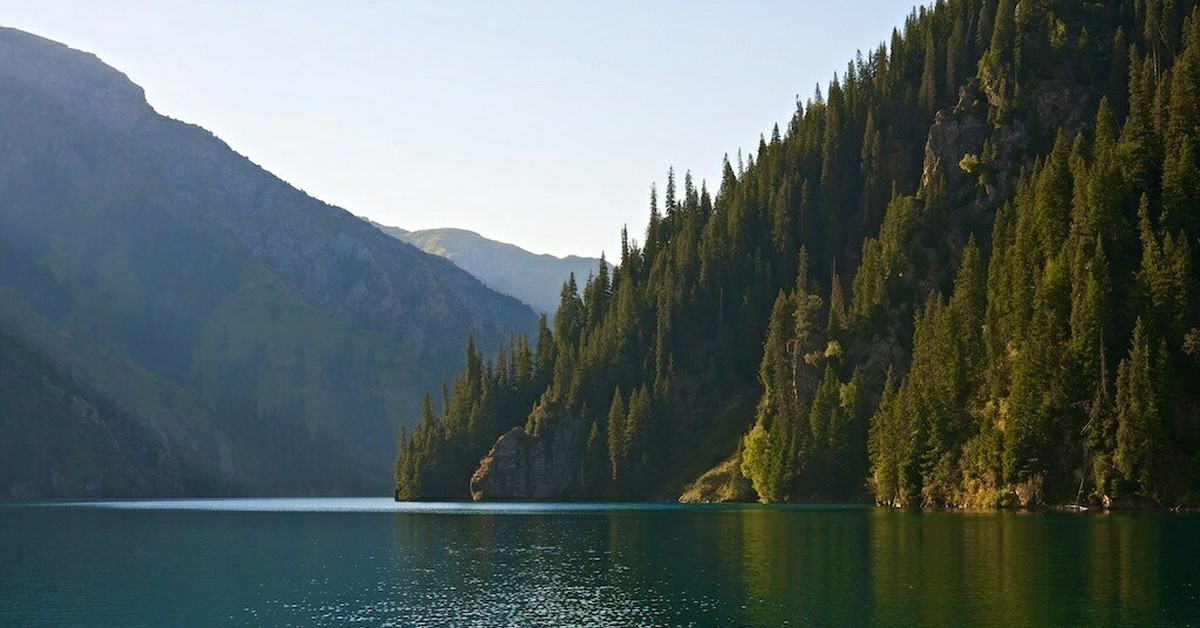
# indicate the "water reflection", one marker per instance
pixel 571 566
pixel 758 566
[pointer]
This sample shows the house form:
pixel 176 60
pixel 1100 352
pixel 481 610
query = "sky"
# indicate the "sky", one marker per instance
pixel 537 123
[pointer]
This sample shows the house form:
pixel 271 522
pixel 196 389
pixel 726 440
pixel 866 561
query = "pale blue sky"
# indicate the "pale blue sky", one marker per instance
pixel 537 123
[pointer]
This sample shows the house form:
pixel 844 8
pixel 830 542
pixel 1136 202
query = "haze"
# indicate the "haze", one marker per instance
pixel 537 123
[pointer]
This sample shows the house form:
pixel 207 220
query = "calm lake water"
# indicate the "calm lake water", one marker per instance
pixel 374 562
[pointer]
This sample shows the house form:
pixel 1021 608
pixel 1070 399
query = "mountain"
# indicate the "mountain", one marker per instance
pixel 963 275
pixel 178 321
pixel 56 427
pixel 534 279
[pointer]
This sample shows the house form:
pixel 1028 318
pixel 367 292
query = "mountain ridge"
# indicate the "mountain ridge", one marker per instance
pixel 179 273
pixel 535 279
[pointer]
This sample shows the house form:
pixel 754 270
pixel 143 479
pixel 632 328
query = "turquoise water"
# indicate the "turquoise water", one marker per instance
pixel 373 562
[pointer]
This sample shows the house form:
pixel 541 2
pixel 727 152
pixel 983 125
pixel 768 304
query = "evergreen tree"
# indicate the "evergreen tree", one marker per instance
pixel 883 446
pixel 765 448
pixel 928 94
pixel 1139 146
pixel 1181 195
pixel 837 303
pixel 1138 421
pixel 1118 81
pixel 638 435
pixel 617 448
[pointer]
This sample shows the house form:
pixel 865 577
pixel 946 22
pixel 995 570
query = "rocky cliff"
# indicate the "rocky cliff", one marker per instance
pixel 521 467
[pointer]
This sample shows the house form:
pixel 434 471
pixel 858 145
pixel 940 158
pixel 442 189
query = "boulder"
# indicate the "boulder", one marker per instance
pixel 525 467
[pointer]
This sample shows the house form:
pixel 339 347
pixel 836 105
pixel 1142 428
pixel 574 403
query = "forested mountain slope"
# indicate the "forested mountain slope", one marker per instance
pixel 263 341
pixel 963 275
pixel 506 268
pixel 58 430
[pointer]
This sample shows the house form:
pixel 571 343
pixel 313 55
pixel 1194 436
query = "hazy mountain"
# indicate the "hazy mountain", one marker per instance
pixel 196 308
pixel 56 426
pixel 535 279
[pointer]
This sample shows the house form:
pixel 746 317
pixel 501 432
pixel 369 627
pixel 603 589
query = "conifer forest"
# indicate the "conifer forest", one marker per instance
pixel 965 273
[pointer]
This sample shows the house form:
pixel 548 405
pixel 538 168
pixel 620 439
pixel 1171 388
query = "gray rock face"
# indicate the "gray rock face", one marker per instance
pixel 84 83
pixel 1058 106
pixel 954 135
pixel 521 467
pixel 1051 105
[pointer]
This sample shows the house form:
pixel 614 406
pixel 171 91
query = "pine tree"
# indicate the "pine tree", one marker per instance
pixel 1038 395
pixel 1139 146
pixel 1106 187
pixel 837 303
pixel 1138 422
pixel 882 446
pixel 985 25
pixel 958 51
pixel 1003 33
pixel 875 175
pixel 817 459
pixel 765 448
pixel 1118 77
pixel 928 93
pixel 616 436
pixel 1091 293
pixel 966 312
pixel 1053 194
pixel 1181 195
pixel 669 201
pixel 569 319
pixel 850 448
pixel 638 435
pixel 545 354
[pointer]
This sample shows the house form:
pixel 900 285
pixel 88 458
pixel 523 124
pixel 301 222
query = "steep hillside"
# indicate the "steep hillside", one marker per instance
pixel 533 279
pixel 275 341
pixel 963 275
pixel 63 437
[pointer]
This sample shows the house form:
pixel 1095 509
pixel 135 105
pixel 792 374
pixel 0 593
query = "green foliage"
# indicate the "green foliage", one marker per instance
pixel 1040 420
pixel 1001 393
pixel 436 459
pixel 1139 429
pixel 617 445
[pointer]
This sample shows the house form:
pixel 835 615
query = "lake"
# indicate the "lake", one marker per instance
pixel 374 562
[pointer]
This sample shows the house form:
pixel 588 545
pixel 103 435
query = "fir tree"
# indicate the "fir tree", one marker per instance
pixel 616 436
pixel 1138 421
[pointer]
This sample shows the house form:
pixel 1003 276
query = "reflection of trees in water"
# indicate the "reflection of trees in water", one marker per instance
pixel 746 567
pixel 1014 569
pixel 805 566
pixel 1125 568
pixel 932 567
pixel 810 567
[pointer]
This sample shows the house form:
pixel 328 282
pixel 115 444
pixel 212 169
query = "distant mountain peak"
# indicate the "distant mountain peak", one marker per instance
pixel 535 279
